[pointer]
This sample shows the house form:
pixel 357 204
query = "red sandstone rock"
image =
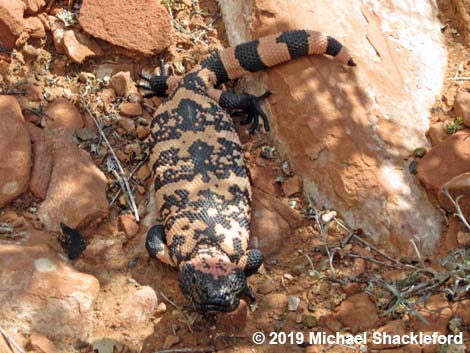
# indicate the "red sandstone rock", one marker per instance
pixel 33 6
pixel 77 190
pixel 40 291
pixel 445 161
pixel 462 106
pixel 292 185
pixel 462 10
pixel 457 186
pixel 130 109
pixel 42 163
pixel 131 307
pixel 128 225
pixel 15 151
pixel 122 84
pixel 140 25
pixel 142 132
pixel 13 24
pixel 358 313
pixel 460 309
pixel 437 312
pixel 42 344
pixel 271 222
pixel 79 47
pixel 348 132
pixel 437 133
pixel 61 113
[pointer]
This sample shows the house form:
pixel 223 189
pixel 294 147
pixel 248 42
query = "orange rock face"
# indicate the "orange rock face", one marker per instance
pixel 47 290
pixel 349 132
pixel 142 26
pixel 62 114
pixel 15 151
pixel 76 194
pixel 13 24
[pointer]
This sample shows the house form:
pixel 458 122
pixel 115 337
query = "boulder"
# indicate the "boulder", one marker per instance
pixel 437 133
pixel 77 190
pixel 272 222
pixel 358 313
pixel 348 131
pixel 462 106
pixel 77 46
pixel 142 26
pixel 13 24
pixel 445 161
pixel 42 163
pixel 15 151
pixel 61 113
pixel 122 84
pixel 462 12
pixel 42 293
pixel 33 6
pixel 457 186
pixel 127 310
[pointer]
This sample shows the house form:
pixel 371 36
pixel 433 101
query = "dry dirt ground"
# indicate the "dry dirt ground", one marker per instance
pixel 322 263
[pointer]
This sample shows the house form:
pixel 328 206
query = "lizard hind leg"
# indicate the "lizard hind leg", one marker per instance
pixel 156 244
pixel 252 261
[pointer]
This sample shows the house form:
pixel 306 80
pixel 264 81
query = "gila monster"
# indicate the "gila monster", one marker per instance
pixel 202 189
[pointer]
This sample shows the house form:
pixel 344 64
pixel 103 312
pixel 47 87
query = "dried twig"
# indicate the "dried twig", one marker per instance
pixel 10 340
pixel 123 179
pixel 207 28
pixel 188 350
pixel 189 320
pixel 455 202
pixel 375 261
pixel 137 167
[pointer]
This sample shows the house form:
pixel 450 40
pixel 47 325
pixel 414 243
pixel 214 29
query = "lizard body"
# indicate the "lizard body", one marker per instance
pixel 202 188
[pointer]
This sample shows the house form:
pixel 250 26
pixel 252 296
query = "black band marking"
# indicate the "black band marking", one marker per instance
pixel 214 63
pixel 333 47
pixel 296 41
pixel 248 57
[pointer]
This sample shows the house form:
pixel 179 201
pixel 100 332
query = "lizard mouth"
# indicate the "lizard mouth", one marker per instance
pixel 217 306
pixel 212 292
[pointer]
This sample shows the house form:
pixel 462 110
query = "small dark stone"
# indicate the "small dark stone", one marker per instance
pixel 419 152
pixel 72 241
pixel 412 167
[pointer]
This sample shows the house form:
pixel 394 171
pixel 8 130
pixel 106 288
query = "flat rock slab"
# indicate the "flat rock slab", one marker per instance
pixel 61 113
pixel 349 132
pixel 15 150
pixel 41 292
pixel 141 26
pixel 13 24
pixel 77 189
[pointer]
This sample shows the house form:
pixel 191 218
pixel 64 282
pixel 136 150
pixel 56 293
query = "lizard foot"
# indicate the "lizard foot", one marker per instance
pixel 157 84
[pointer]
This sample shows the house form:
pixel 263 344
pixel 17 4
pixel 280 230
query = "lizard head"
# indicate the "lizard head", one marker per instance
pixel 212 283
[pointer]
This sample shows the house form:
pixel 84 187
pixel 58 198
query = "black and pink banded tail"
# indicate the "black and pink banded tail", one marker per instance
pixel 272 50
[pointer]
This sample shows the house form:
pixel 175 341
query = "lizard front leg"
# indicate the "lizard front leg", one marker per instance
pixel 156 244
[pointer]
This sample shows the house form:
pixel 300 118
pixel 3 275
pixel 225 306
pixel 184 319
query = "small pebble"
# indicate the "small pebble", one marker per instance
pixel 419 152
pixel 170 341
pixel 309 321
pixel 293 303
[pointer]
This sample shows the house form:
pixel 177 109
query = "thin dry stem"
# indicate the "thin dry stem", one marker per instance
pixel 123 179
